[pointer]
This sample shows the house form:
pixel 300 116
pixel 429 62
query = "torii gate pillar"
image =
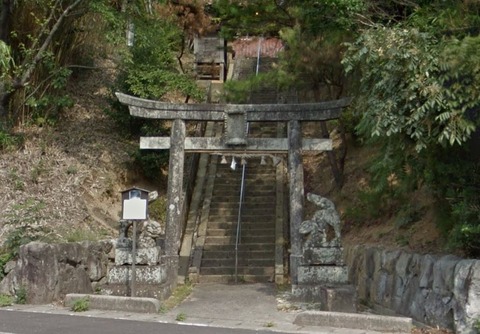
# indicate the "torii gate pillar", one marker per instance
pixel 175 188
pixel 296 186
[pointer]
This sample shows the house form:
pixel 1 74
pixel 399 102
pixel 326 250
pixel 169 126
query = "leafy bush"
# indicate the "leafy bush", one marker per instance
pixel 4 258
pixel 157 210
pixel 417 101
pixel 151 162
pixel 9 142
pixel 81 305
pixel 5 300
pixel 21 295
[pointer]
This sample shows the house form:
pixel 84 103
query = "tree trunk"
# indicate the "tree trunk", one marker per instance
pixel 4 101
pixel 5 17
pixel 337 172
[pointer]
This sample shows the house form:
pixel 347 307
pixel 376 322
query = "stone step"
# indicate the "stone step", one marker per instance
pixel 223 178
pixel 246 212
pixel 242 262
pixel 233 200
pixel 253 164
pixel 230 240
pixel 257 203
pixel 220 223
pixel 242 247
pixel 264 179
pixel 257 190
pixel 244 231
pixel 231 220
pixel 231 279
pixel 230 254
pixel 261 271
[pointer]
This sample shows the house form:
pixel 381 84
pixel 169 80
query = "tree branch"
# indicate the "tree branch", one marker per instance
pixel 22 80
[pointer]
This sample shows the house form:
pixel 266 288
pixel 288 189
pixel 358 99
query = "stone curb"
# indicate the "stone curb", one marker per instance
pixel 116 303
pixel 355 321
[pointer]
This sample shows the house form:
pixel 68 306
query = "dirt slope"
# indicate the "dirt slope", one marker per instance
pixel 65 181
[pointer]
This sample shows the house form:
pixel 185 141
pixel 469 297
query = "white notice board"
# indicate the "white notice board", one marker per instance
pixel 135 209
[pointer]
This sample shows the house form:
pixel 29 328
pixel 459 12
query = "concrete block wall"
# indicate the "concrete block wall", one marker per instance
pixel 438 290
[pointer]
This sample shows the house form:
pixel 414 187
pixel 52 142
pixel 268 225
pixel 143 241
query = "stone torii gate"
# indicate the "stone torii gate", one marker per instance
pixel 235 140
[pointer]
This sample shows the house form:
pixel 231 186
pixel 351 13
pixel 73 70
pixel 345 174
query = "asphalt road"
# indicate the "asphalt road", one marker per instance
pixel 15 322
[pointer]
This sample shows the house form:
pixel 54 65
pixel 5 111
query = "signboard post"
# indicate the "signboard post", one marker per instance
pixel 134 208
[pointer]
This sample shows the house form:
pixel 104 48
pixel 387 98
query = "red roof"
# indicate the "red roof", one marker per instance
pixel 248 47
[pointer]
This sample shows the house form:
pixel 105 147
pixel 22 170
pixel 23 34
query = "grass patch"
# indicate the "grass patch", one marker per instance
pixel 178 296
pixel 269 324
pixel 283 287
pixel 5 300
pixel 181 317
pixel 79 235
pixel 21 295
pixel 81 305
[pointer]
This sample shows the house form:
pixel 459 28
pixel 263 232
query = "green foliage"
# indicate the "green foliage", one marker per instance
pixel 8 141
pixel 5 300
pixel 476 325
pixel 79 235
pixel 251 17
pixel 456 181
pixel 21 295
pixel 408 215
pixel 181 317
pixel 41 41
pixel 6 60
pixel 81 305
pixel 47 103
pixel 413 87
pixel 151 68
pixel 313 32
pixel 23 219
pixel 157 210
pixel 239 91
pixel 417 99
pixel 151 162
pixel 178 295
pixel 4 258
pixel 267 17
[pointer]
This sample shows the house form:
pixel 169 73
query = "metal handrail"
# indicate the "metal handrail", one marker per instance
pixel 239 216
pixel 242 185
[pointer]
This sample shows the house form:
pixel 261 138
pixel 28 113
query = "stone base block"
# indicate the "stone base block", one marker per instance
pixel 322 275
pixel 367 322
pixel 116 303
pixel 341 298
pixel 160 292
pixel 148 256
pixel 323 256
pixel 144 274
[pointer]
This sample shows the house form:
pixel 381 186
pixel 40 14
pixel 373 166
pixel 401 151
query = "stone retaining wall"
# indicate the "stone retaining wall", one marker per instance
pixel 436 290
pixel 48 272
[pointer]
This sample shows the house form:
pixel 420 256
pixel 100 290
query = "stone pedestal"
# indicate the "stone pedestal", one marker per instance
pixel 144 274
pixel 149 256
pixel 325 284
pixel 322 277
pixel 333 298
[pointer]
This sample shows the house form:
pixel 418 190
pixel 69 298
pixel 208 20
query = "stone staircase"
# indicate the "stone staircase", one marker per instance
pixel 256 249
pixel 208 251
